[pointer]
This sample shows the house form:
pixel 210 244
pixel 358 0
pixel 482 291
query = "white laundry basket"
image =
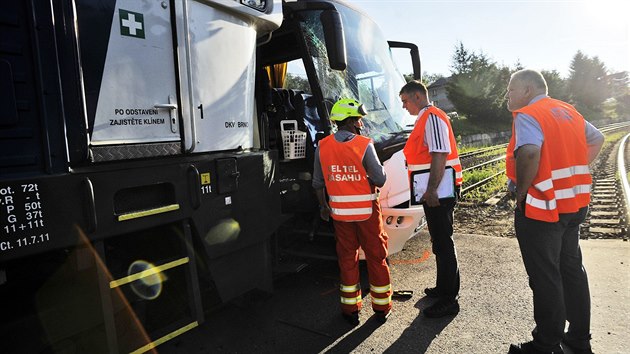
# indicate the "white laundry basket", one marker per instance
pixel 293 140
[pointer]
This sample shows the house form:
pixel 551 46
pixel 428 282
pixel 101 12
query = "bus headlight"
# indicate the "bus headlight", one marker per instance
pixel 259 5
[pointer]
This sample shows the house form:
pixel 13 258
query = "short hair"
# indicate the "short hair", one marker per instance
pixel 413 86
pixel 533 77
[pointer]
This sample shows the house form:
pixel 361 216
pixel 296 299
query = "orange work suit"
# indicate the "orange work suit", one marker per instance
pixel 563 182
pixel 357 219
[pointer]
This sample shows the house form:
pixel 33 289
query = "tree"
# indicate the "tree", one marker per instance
pixel 620 90
pixel 477 87
pixel 428 79
pixel 587 84
pixel 623 106
pixel 556 84
pixel 297 82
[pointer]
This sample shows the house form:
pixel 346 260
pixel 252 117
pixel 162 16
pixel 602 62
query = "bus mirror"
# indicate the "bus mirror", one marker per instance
pixel 415 56
pixel 335 39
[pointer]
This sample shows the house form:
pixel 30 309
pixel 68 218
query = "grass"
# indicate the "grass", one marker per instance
pixel 489 189
pixel 477 175
pixel 462 127
pixel 611 138
pixel 484 193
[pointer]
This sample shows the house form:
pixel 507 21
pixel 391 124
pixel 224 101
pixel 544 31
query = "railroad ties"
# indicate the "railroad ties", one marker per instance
pixel 606 214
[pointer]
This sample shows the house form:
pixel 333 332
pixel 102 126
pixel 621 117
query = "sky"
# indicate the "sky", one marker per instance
pixel 538 34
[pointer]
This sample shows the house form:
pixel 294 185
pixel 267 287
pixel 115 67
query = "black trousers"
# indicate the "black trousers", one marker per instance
pixel 553 261
pixel 440 224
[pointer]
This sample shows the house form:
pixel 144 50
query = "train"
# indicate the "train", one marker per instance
pixel 154 151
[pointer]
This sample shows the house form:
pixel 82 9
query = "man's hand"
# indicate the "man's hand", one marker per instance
pixel 520 199
pixel 324 212
pixel 430 197
pixel 438 163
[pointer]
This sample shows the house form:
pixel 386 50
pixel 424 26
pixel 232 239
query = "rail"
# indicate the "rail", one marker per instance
pixel 481 151
pixel 614 126
pixel 623 176
pixel 483 164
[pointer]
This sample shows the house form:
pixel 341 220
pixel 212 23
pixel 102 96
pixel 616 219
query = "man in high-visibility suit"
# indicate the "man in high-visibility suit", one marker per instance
pixel 431 151
pixel 347 168
pixel 547 162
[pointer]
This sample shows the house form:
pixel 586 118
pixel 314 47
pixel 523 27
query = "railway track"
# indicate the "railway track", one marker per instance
pixel 472 159
pixel 608 212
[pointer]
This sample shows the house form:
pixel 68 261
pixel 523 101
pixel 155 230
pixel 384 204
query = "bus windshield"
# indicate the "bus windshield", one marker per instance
pixel 370 77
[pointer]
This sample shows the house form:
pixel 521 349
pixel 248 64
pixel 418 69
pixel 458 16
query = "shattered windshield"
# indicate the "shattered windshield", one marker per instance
pixel 370 77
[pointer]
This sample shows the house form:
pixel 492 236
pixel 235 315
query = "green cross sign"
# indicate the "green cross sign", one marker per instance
pixel 131 23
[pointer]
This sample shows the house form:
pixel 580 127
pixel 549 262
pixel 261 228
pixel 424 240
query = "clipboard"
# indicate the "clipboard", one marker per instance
pixel 420 179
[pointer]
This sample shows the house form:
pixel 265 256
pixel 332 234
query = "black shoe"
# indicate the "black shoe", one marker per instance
pixel 432 292
pixel 528 348
pixel 381 316
pixel 351 318
pixel 442 308
pixel 402 294
pixel 575 349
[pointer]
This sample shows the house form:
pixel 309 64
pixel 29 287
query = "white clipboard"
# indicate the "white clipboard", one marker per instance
pixel 420 180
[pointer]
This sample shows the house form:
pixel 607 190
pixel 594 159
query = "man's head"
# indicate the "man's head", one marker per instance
pixel 523 87
pixel 414 96
pixel 347 113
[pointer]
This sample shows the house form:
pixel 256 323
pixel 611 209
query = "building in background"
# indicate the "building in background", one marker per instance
pixel 439 96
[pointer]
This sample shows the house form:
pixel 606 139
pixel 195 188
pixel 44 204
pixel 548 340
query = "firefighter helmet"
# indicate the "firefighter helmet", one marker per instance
pixel 346 108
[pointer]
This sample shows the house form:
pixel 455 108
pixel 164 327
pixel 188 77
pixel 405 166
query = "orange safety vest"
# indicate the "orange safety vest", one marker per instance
pixel 417 153
pixel 562 184
pixel 351 194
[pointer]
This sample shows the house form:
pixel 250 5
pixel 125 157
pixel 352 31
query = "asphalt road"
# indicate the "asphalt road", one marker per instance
pixel 302 315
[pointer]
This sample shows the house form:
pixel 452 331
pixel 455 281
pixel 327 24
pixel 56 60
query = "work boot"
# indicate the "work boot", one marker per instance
pixel 442 308
pixel 432 292
pixel 528 348
pixel 351 318
pixel 576 347
pixel 381 316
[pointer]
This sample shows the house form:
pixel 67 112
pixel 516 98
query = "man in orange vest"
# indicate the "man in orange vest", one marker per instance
pixel 547 164
pixel 347 166
pixel 431 151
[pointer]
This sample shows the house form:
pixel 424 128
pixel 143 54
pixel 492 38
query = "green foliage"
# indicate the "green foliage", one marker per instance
pixel 489 189
pixel 588 82
pixel 464 126
pixel 613 138
pixel 620 88
pixel 623 106
pixel 556 84
pixel 297 83
pixel 476 175
pixel 477 87
pixel 486 191
pixel 428 79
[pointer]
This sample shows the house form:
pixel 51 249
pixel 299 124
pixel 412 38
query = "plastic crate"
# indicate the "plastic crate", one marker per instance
pixel 293 140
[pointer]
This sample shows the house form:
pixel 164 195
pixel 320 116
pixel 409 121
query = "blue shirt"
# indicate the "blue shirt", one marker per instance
pixel 528 131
